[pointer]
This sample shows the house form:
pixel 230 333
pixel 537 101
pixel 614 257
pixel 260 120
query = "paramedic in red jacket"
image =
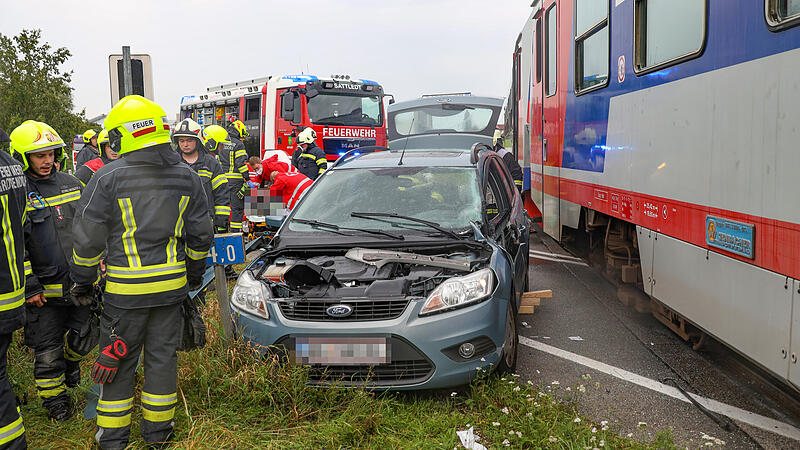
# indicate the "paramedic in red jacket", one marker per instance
pixel 289 185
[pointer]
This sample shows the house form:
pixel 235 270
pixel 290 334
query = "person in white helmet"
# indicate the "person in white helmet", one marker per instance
pixel 309 159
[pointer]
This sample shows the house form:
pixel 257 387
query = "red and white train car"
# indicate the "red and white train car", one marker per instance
pixel 667 132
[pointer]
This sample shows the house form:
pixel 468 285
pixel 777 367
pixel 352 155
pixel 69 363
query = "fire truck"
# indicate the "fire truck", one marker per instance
pixel 345 112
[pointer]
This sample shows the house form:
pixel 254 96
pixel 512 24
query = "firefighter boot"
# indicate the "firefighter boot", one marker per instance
pixel 59 407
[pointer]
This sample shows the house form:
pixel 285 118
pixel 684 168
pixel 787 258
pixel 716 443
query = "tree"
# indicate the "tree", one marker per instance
pixel 34 86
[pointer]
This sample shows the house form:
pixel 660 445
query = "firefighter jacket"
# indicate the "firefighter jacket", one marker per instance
pixel 233 159
pixel 290 186
pixel 512 165
pixel 86 154
pixel 215 185
pixel 151 212
pixel 85 172
pixel 50 208
pixel 311 162
pixel 15 230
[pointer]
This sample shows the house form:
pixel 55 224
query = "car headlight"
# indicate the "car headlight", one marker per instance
pixel 460 291
pixel 251 295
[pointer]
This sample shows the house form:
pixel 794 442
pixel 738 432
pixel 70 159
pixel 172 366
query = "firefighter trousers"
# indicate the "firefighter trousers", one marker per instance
pixel 158 332
pixel 12 431
pixel 237 206
pixel 45 328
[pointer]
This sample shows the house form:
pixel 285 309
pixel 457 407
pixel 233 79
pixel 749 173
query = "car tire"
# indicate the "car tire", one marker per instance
pixel 508 357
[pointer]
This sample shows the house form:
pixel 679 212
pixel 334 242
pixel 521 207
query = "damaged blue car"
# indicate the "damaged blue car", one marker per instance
pixel 397 270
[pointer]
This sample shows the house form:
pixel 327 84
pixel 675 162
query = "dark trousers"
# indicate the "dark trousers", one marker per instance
pixel 12 432
pixel 45 328
pixel 158 332
pixel 237 207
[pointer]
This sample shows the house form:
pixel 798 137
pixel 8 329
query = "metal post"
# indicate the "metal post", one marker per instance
pixel 127 79
pixel 222 300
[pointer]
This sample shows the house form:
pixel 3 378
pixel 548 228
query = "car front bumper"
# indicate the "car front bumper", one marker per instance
pixel 429 335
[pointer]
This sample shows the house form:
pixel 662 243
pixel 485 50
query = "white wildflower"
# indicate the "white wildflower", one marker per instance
pixel 577 420
pixel 503 379
pixel 506 442
pixel 483 359
pixel 555 383
pixel 630 434
pixel 582 388
pixel 604 427
pixel 515 375
pixel 594 438
pixel 719 441
pixel 511 432
pixel 504 410
pixel 453 394
pixel 569 388
pixel 642 424
pixel 603 422
pixel 518 433
pixel 529 414
pixel 537 371
pixel 542 394
pixel 516 389
pixel 530 383
pixel 594 430
pixel 535 404
pixel 602 443
pixel 495 424
pixel 709 444
pixel 553 439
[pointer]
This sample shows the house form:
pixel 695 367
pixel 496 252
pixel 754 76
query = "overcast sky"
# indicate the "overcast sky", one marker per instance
pixel 411 47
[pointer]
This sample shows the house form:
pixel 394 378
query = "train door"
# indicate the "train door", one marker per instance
pixel 551 122
pixel 534 111
pixel 794 348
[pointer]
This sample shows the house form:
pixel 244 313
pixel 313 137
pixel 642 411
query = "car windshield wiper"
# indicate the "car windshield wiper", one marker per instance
pixel 434 225
pixel 316 223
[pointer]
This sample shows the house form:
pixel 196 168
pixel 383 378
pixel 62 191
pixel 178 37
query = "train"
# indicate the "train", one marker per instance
pixel 661 136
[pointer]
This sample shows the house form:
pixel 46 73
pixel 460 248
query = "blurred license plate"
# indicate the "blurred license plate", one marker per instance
pixel 342 351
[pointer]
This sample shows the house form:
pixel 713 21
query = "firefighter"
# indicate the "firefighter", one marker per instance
pixel 234 165
pixel 54 321
pixel 508 158
pixel 85 172
pixel 291 186
pixel 309 159
pixel 237 133
pixel 13 188
pixel 89 150
pixel 152 211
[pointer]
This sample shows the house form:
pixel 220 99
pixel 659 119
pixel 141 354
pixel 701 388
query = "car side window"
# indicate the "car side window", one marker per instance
pixel 497 201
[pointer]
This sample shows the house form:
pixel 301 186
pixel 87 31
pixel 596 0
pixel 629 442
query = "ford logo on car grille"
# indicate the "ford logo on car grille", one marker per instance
pixel 339 311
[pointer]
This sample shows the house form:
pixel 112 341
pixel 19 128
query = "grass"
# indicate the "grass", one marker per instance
pixel 228 399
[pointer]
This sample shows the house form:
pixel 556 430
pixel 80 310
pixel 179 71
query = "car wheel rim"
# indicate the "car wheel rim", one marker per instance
pixel 509 355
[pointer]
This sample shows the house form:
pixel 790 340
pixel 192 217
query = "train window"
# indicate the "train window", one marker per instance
pixel 591 45
pixel 538 50
pixel 667 32
pixel 782 13
pixel 551 83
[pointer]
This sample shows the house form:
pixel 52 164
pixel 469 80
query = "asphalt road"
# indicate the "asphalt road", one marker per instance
pixel 585 318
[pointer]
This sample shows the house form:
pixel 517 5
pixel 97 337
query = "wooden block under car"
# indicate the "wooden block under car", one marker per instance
pixel 525 309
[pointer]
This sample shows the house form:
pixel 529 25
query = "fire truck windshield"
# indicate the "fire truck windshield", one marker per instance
pixel 345 110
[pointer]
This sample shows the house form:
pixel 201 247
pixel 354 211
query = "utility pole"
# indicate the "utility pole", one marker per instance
pixel 127 79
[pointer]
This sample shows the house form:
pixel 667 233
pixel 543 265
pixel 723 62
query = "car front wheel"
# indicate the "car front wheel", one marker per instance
pixel 508 359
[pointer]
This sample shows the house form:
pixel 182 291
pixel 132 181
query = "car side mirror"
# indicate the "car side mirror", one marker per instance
pixel 287 106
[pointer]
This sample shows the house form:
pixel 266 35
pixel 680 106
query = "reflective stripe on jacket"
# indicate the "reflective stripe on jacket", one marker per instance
pixel 15 232
pixel 152 211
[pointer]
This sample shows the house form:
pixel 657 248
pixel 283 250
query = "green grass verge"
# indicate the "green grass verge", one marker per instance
pixel 228 399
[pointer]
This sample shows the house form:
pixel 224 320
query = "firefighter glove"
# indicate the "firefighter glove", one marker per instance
pixel 107 363
pixel 82 294
pixel 243 191
pixel 194 283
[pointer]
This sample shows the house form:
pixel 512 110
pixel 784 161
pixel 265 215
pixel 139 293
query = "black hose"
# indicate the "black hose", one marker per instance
pixel 721 420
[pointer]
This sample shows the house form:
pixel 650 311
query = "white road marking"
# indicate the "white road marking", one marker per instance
pixel 738 414
pixel 555 255
pixel 565 261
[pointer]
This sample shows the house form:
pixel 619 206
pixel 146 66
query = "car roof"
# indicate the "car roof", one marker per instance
pixel 416 158
pixel 452 99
